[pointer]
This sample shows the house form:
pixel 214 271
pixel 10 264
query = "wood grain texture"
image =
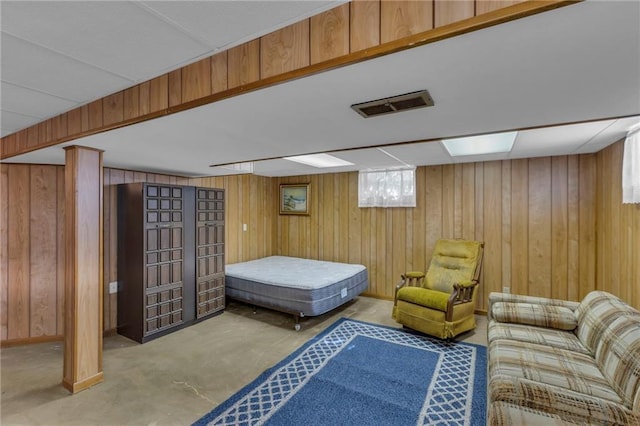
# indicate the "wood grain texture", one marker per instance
pixel 18 252
pixel 364 24
pixel 158 97
pixel 60 254
pixel 94 112
pixel 243 64
pixel 572 205
pixel 449 11
pixel 539 283
pixel 74 121
pixel 83 291
pixel 618 227
pixel 196 80
pixel 175 87
pixel 485 6
pixel 113 109
pixel 519 208
pixel 131 100
pixel 284 50
pixel 219 72
pixel 43 248
pixel 4 231
pixel 400 19
pixel 329 34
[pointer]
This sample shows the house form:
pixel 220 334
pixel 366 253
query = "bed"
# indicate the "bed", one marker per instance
pixel 301 287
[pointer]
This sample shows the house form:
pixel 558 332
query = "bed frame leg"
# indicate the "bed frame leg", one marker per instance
pixel 255 309
pixel 296 326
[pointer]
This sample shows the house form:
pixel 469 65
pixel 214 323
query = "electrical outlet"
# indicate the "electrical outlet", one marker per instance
pixel 244 227
pixel 506 290
pixel 113 287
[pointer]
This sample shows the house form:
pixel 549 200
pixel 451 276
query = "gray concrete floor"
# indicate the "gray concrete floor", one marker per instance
pixel 175 379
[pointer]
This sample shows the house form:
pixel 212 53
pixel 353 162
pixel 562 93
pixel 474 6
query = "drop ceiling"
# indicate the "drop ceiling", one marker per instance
pixel 569 79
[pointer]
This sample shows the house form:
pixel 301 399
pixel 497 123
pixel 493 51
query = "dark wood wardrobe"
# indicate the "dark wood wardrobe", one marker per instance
pixel 170 257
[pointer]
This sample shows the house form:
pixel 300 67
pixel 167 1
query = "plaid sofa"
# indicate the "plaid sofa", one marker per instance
pixel 555 362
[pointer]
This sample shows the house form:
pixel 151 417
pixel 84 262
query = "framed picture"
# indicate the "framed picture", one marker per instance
pixel 294 198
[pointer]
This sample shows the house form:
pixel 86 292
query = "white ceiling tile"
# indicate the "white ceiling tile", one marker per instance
pixel 421 154
pixel 40 105
pixel 13 122
pixel 555 140
pixel 28 65
pixel 223 23
pixel 613 133
pixel 117 36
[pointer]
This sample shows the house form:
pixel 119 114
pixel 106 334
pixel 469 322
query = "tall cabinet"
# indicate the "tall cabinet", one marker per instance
pixel 170 257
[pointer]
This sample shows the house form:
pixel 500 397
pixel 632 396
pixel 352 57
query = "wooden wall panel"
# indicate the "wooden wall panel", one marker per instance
pixel 43 251
pixel 559 227
pixel 536 217
pixel 131 102
pixel 243 64
pixel 60 254
pixel 618 228
pixel 219 72
pixel 329 34
pixel 4 234
pixel 196 80
pixel 484 6
pixel 18 252
pixel 113 108
pixel 284 50
pixel 175 87
pixel 449 11
pixel 364 24
pixel 540 220
pixel 400 19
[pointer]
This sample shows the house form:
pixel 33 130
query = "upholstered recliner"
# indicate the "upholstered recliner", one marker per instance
pixel 441 302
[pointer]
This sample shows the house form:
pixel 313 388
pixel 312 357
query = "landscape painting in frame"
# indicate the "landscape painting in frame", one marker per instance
pixel 294 198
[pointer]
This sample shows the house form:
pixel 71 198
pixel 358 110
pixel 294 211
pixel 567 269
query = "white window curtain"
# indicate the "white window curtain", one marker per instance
pixel 631 167
pixel 387 188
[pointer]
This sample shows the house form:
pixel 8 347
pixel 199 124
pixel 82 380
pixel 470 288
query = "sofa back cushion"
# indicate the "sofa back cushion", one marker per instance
pixel 618 357
pixel 595 313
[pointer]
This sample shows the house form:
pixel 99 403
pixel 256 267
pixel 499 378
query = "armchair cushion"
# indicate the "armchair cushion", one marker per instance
pixel 453 261
pixel 547 316
pixel 424 297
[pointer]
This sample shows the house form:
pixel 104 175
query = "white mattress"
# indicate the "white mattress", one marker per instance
pixel 302 287
pixel 293 272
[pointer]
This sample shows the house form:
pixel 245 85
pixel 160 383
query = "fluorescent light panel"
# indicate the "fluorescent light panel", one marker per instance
pixel 480 145
pixel 319 160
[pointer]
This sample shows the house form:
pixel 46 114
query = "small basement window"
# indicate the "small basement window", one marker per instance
pixel 387 188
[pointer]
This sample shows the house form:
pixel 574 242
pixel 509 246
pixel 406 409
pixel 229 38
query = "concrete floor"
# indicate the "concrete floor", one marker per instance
pixel 175 379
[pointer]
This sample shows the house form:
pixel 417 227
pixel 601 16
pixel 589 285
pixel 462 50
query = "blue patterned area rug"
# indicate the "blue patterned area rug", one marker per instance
pixel 355 373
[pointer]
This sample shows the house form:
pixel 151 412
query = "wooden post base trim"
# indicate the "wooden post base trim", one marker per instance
pixel 30 340
pixel 83 384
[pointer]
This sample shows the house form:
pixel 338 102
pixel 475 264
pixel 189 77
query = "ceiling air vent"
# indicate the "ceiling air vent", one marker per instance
pixel 398 103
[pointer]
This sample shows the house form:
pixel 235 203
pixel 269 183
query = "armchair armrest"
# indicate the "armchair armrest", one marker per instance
pixel 412 278
pixel 462 293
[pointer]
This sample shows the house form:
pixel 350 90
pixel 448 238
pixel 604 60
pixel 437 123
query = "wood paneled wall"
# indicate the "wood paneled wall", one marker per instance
pixel 31 252
pixel 618 232
pixel 340 36
pixel 31 244
pixel 553 226
pixel 536 217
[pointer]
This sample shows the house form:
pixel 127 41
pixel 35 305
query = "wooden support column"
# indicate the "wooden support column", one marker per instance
pixel 83 269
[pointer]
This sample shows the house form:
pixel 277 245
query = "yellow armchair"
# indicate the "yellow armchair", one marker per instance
pixel 441 302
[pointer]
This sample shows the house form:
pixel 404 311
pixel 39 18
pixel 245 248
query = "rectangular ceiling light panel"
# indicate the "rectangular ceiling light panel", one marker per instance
pixel 319 160
pixel 480 145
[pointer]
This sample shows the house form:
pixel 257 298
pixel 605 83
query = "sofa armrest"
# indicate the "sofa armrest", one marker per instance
pixel 519 298
pixel 573 406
